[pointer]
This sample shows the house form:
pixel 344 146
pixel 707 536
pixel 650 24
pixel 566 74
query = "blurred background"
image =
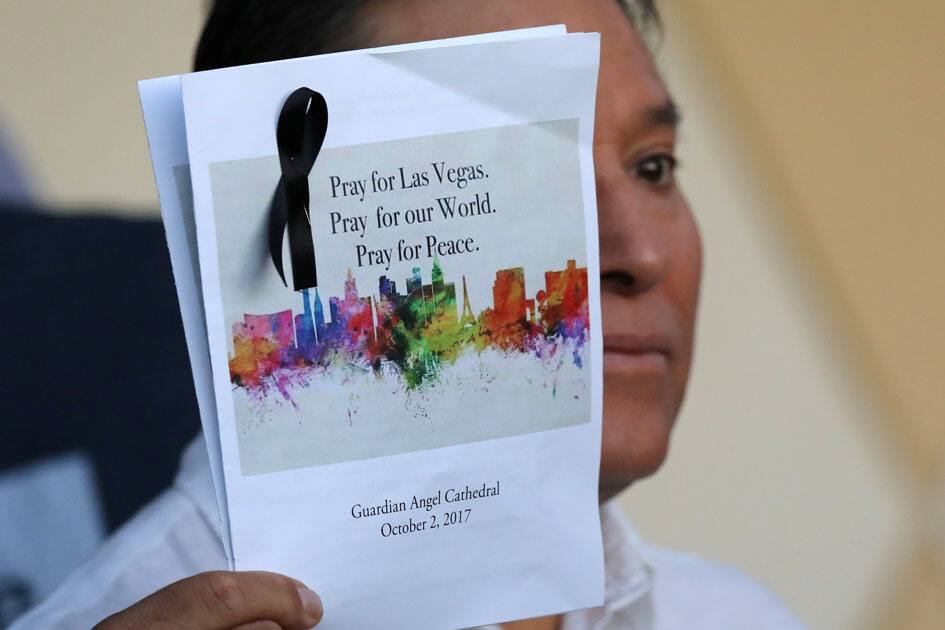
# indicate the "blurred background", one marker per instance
pixel 811 450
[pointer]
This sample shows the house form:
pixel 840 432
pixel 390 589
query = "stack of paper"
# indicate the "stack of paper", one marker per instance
pixel 418 437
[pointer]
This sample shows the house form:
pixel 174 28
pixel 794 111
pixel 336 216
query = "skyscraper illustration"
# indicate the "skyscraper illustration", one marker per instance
pixel 416 331
pixel 467 320
pixel 305 337
pixel 319 317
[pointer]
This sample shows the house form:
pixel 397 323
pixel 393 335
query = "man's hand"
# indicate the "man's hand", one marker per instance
pixel 224 600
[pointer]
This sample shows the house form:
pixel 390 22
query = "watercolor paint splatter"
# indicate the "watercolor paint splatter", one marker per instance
pixel 416 332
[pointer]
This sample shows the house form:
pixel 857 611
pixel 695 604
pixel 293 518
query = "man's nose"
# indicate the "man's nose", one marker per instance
pixel 634 248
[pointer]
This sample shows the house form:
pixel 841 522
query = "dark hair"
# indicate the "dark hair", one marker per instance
pixel 240 32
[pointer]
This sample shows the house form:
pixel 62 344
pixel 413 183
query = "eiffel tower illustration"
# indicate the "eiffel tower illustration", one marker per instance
pixel 467 319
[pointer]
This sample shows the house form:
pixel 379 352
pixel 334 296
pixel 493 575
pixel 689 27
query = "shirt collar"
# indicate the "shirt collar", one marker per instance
pixel 628 574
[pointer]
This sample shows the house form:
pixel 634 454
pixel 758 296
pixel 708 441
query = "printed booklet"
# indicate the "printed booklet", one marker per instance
pixel 388 274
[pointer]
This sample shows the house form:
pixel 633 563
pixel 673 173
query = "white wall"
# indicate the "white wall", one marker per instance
pixel 68 94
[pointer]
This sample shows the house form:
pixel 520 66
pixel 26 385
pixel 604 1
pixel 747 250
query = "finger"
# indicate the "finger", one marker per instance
pixel 221 600
pixel 259 625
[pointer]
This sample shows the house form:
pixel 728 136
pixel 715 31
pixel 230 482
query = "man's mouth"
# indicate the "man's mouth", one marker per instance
pixel 632 351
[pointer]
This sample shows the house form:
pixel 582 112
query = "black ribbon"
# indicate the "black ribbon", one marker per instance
pixel 300 133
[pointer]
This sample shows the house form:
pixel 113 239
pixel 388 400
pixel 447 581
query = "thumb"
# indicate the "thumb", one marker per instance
pixel 220 600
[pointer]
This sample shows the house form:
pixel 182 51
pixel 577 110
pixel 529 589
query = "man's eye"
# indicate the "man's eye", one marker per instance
pixel 657 169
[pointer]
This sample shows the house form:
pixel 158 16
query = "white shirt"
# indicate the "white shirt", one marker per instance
pixel 177 535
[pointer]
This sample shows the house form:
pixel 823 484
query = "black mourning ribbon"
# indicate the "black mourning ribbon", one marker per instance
pixel 300 133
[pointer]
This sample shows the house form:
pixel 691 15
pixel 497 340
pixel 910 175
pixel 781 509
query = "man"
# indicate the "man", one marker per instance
pixel 650 271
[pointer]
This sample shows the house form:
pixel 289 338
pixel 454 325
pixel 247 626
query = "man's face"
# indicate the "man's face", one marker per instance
pixel 650 249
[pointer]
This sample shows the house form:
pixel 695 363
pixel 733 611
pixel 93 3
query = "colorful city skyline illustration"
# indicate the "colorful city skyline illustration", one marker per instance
pixel 413 334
